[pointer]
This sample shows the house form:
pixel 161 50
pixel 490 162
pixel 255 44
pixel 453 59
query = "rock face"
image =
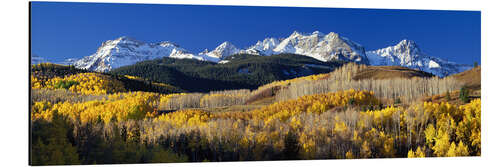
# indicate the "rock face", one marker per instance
pixel 407 54
pixel 324 47
pixel 126 51
pixel 317 45
pixel 220 52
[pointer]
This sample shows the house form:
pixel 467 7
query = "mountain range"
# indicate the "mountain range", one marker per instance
pixel 324 47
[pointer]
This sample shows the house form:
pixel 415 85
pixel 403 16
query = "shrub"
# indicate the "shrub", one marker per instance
pixel 65 84
pixel 397 100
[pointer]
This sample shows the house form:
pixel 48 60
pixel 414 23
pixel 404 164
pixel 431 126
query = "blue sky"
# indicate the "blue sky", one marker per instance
pixel 75 30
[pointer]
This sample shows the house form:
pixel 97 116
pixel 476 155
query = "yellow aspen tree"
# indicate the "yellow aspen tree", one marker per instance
pixel 442 144
pixel 462 149
pixel 430 135
pixel 366 151
pixel 411 154
pixel 420 153
pixel 349 155
pixel 452 150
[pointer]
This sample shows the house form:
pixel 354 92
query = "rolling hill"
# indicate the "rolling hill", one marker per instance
pixel 471 78
pixel 388 72
pixel 47 71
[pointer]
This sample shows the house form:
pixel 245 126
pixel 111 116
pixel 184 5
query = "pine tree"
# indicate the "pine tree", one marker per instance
pixel 448 97
pixel 291 146
pixel 464 95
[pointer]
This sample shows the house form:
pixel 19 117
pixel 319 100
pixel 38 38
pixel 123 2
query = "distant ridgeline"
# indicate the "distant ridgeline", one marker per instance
pixel 240 71
pixel 124 51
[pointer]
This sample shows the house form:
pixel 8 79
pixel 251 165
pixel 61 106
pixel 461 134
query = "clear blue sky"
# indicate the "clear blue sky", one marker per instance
pixel 75 30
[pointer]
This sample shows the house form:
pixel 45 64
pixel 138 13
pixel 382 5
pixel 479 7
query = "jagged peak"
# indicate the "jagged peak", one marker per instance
pixel 267 40
pixel 332 35
pixel 404 45
pixel 121 40
pixel 204 52
pixel 167 43
pixel 125 39
pixel 270 40
pixel 224 45
pixel 317 33
pixel 297 33
pixel 408 43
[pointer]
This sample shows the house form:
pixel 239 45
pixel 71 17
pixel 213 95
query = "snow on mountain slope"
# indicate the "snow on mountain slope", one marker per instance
pixel 126 51
pixel 220 52
pixel 264 47
pixel 317 45
pixel 324 47
pixel 407 54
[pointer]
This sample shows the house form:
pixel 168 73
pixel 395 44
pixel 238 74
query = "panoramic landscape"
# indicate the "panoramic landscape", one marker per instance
pixel 301 92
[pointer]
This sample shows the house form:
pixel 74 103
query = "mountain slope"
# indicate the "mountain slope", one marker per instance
pixel 317 45
pixel 389 72
pixel 264 47
pixel 220 52
pixel 126 51
pixel 471 78
pixel 243 71
pixel 323 47
pixel 46 71
pixel 407 54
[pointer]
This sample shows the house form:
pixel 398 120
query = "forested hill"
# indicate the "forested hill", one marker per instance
pixel 52 76
pixel 241 71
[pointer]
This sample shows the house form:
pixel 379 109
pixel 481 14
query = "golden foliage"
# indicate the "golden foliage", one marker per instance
pixel 84 83
pixel 325 125
pixel 117 107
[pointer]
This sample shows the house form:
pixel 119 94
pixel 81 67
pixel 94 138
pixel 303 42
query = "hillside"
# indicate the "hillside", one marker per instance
pixel 388 72
pixel 471 78
pixel 48 75
pixel 303 112
pixel 241 71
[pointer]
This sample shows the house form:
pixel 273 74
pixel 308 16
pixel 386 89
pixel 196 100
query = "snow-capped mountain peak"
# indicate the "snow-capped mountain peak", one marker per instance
pixel 264 47
pixel 126 51
pixel 324 47
pixel 408 54
pixel 222 51
pixel 317 33
pixel 225 46
pixel 298 34
pixel 407 45
pixel 124 40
